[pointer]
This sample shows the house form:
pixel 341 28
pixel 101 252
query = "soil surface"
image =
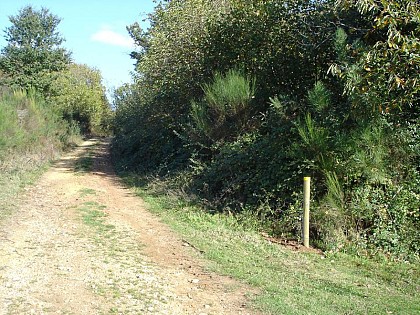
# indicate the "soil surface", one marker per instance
pixel 79 242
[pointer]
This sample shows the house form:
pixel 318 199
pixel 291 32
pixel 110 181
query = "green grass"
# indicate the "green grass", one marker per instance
pixel 94 216
pixel 86 192
pixel 292 282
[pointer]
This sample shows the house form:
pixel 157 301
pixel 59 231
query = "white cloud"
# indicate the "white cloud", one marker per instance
pixel 110 37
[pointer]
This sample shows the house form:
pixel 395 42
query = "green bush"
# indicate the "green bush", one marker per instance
pixel 30 128
pixel 336 105
pixel 142 140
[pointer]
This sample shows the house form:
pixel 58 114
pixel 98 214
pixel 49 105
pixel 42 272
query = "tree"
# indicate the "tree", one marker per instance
pixel 171 52
pixel 169 66
pixel 284 44
pixel 33 51
pixel 384 70
pixel 79 96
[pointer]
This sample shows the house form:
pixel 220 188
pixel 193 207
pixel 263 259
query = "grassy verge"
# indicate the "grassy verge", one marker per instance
pixel 290 282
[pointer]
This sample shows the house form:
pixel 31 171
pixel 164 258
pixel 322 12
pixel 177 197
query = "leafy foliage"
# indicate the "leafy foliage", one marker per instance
pixel 34 60
pixel 78 95
pixel 284 44
pixel 335 98
pixel 33 51
pixel 169 74
pixel 386 67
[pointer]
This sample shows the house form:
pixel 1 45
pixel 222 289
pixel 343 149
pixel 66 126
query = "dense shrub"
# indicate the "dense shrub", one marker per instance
pixel 31 135
pixel 331 102
pixel 30 130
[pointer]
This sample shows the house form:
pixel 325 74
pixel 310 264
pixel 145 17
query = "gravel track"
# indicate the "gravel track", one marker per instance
pixel 81 243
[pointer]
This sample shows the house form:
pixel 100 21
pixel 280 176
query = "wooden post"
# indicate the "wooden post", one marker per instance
pixel 306 201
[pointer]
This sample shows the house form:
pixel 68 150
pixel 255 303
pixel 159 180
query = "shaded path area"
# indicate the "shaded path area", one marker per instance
pixel 81 243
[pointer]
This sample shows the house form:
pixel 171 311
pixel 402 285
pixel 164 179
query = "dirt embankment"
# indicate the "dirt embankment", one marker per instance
pixel 80 243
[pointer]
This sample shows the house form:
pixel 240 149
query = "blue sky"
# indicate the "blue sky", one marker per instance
pixel 94 31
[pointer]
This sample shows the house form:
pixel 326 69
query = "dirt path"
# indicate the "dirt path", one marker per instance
pixel 80 243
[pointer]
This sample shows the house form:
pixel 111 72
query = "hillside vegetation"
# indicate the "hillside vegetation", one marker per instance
pixel 235 101
pixel 31 135
pixel 47 102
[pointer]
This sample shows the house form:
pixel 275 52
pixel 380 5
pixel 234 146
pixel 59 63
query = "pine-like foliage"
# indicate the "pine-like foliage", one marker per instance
pixel 225 109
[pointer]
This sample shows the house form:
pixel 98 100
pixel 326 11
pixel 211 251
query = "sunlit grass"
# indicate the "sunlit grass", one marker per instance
pixel 291 282
pixel 93 215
